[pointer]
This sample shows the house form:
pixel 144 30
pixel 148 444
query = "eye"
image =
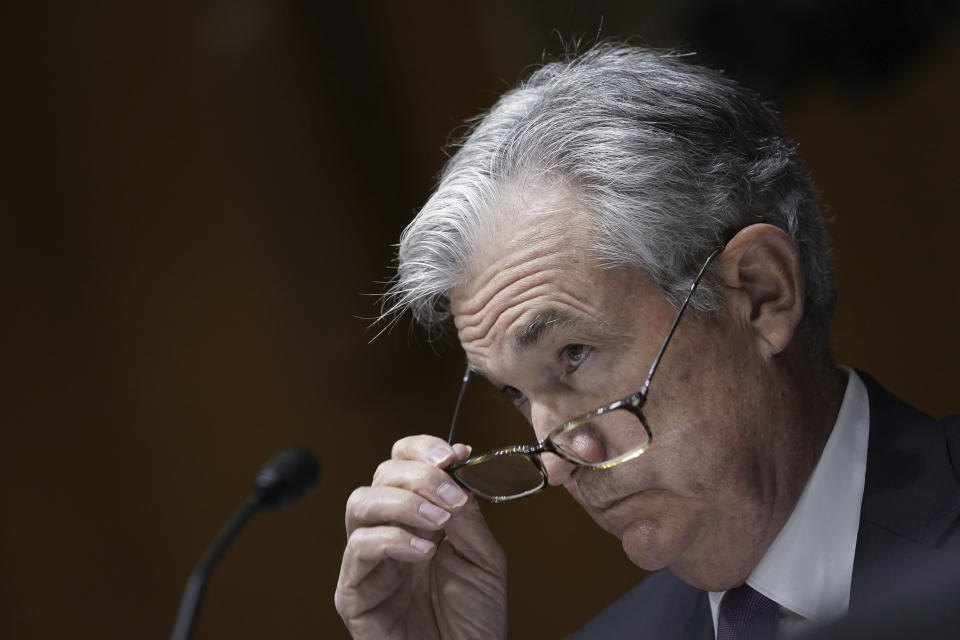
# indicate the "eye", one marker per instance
pixel 574 355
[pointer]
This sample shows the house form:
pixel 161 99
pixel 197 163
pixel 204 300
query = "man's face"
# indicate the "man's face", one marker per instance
pixel 700 499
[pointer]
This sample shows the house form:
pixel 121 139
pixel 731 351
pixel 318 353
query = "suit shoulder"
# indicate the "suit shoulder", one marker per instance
pixel 662 606
pixel 912 483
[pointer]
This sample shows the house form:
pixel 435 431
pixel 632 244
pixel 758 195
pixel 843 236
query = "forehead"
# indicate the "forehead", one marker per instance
pixel 535 273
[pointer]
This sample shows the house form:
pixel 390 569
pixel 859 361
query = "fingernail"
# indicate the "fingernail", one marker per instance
pixel 433 513
pixel 451 495
pixel 439 454
pixel 421 545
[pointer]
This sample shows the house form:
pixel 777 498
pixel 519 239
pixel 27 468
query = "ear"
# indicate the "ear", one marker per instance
pixel 760 269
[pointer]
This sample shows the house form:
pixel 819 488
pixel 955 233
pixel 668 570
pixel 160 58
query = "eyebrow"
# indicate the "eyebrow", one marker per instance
pixel 531 334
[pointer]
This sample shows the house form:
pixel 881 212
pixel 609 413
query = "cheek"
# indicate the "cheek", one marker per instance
pixel 707 392
pixel 715 460
pixel 699 447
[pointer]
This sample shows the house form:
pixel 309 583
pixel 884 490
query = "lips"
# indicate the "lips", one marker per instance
pixel 614 514
pixel 603 507
pixel 614 509
pixel 597 497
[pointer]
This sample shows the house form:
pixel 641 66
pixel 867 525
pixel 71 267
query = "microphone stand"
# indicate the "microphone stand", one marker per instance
pixel 193 592
pixel 285 478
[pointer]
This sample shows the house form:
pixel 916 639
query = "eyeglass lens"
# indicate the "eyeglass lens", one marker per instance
pixel 502 477
pixel 601 439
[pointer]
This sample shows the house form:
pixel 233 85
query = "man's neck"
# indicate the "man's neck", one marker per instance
pixel 806 400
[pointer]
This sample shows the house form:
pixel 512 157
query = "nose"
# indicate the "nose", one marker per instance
pixel 558 470
pixel 545 420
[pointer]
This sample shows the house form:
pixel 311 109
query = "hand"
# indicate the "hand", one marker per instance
pixel 420 560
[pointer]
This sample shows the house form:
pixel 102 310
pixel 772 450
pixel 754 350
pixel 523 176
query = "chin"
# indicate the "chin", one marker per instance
pixel 644 543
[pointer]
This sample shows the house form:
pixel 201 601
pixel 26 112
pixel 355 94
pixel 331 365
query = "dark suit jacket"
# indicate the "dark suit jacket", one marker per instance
pixel 911 508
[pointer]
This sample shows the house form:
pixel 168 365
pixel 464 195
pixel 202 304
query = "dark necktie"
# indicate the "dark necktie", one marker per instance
pixel 746 615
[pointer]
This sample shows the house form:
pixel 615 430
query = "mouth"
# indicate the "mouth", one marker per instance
pixel 614 515
pixel 603 507
pixel 608 505
pixel 606 494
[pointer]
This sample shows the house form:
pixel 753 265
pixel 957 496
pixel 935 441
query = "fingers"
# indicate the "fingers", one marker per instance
pixel 466 528
pixel 462 450
pixel 431 483
pixel 429 449
pixel 373 506
pixel 371 545
pixel 397 535
pixel 365 554
pixel 410 489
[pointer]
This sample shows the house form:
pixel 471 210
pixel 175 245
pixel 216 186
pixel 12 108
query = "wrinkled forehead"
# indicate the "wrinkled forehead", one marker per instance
pixel 537 276
pixel 531 256
pixel 530 216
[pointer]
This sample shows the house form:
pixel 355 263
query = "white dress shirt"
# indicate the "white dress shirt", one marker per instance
pixel 809 566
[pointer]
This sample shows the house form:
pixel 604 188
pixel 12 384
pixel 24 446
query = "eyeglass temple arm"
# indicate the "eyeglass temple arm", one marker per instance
pixel 676 321
pixel 456 409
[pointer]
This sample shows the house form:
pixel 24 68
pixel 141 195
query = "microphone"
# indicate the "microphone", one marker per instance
pixel 286 478
pixel 283 480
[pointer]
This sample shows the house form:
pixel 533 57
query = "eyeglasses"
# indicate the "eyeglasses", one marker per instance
pixel 601 439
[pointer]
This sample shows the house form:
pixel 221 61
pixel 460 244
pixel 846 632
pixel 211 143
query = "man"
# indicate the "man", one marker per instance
pixel 566 238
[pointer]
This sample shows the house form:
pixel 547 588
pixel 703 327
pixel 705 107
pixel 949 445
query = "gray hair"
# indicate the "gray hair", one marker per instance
pixel 672 159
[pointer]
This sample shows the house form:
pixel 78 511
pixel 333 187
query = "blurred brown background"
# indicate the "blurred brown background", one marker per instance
pixel 198 197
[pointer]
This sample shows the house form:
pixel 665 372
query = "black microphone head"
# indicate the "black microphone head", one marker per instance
pixel 286 478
